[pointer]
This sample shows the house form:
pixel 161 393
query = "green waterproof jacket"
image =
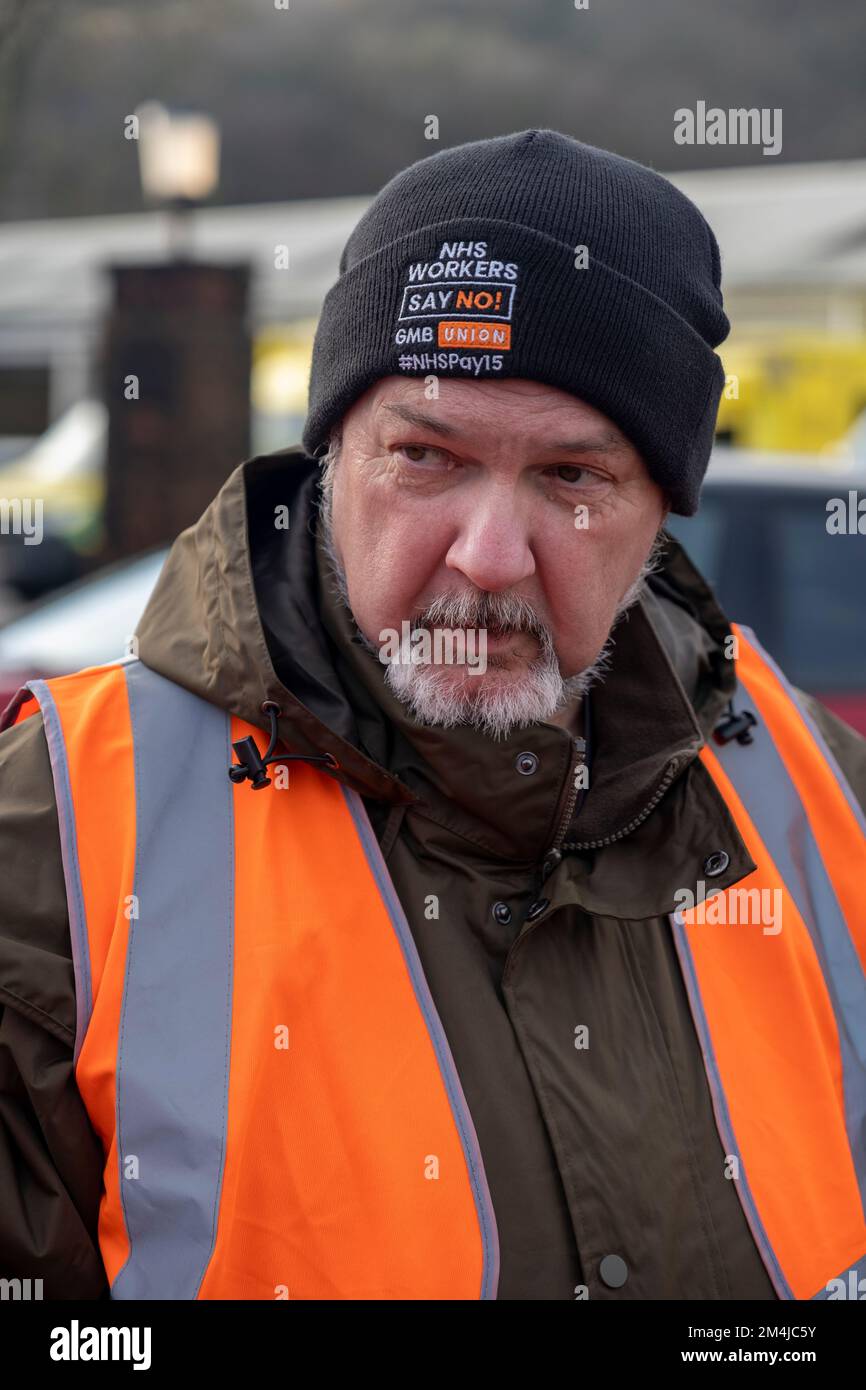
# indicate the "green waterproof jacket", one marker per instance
pixel 552 912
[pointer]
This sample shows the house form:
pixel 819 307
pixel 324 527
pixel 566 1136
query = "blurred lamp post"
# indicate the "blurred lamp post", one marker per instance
pixel 178 158
pixel 176 353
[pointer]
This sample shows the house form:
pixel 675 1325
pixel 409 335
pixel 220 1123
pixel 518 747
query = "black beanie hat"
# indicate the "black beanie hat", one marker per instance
pixel 469 264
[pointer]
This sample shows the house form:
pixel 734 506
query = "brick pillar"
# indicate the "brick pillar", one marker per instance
pixel 180 330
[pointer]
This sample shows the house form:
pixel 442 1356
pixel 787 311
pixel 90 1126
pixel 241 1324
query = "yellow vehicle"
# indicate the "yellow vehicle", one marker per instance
pixel 791 391
pixel 278 389
pixel 797 391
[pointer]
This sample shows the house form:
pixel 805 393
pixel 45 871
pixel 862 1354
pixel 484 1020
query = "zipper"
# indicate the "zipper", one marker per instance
pixel 552 857
pixel 673 768
pixel 553 854
pixel 580 761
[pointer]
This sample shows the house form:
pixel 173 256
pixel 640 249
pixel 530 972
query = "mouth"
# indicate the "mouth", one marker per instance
pixel 505 644
pixel 492 632
pixel 512 643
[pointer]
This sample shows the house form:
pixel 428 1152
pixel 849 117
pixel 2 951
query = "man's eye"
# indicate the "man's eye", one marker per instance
pixel 576 473
pixel 421 453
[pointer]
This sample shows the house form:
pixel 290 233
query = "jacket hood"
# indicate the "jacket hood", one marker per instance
pixel 208 625
pixel 243 613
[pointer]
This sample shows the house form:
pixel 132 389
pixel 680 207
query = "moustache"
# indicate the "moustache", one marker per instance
pixel 495 613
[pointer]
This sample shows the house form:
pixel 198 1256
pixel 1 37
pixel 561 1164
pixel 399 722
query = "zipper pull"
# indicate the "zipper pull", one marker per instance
pixel 549 863
pixel 553 857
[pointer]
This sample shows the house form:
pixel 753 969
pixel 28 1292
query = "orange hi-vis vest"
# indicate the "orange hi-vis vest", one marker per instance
pixel 259 1053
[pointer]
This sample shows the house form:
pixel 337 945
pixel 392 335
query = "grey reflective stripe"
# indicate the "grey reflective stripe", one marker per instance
pixel 459 1107
pixel 844 784
pixel 69 854
pixel 770 798
pixel 175 1025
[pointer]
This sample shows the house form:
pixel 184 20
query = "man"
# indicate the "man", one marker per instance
pixel 423 999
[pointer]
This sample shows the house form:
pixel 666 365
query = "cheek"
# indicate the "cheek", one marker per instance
pixel 590 576
pixel 391 562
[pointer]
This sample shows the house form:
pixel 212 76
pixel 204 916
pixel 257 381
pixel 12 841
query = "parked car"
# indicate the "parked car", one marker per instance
pixel 761 538
pixel 62 474
pixel 84 624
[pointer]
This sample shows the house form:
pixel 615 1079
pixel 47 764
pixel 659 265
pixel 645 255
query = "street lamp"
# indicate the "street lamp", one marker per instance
pixel 178 156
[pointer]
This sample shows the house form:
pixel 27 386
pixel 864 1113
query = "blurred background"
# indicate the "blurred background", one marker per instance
pixel 177 181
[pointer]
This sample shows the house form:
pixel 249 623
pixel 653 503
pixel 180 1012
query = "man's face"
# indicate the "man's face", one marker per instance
pixel 510 489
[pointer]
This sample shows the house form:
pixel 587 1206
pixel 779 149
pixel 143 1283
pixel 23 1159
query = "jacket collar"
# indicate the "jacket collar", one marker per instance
pixel 644 730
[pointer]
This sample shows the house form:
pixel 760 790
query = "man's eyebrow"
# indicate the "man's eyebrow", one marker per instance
pixel 424 422
pixel 607 442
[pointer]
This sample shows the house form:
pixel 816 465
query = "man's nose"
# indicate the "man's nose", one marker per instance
pixel 492 547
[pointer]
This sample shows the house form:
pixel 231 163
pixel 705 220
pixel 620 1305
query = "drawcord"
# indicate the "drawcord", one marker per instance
pixel 735 726
pixel 252 765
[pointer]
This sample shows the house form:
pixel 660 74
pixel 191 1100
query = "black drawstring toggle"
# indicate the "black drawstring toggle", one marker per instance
pixel 252 765
pixel 735 726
